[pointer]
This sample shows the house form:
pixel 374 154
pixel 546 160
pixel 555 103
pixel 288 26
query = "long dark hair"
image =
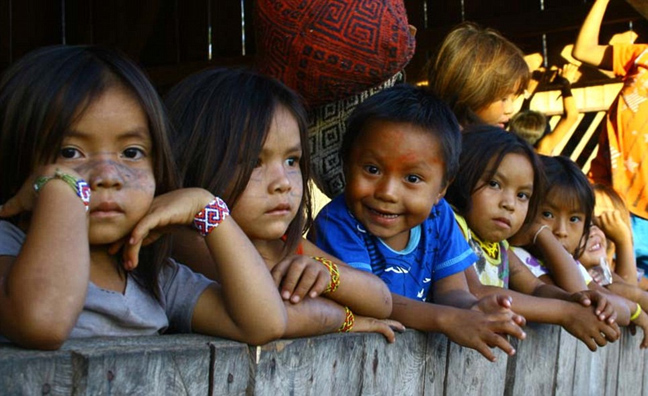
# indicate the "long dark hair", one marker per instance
pixel 566 177
pixel 222 118
pixel 42 95
pixel 482 144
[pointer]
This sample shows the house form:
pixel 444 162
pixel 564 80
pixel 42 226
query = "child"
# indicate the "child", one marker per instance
pixel 566 211
pixel 478 73
pixel 400 151
pixel 612 216
pixel 533 126
pixel 623 142
pixel 496 191
pixel 244 136
pixel 89 168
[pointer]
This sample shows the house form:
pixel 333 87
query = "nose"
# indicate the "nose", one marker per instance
pixel 105 174
pixel 386 190
pixel 560 229
pixel 508 201
pixel 279 179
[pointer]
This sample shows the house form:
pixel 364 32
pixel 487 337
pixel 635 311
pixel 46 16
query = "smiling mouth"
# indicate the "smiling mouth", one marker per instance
pixel 383 214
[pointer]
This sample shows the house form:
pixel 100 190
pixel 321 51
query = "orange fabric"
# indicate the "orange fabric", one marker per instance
pixel 622 159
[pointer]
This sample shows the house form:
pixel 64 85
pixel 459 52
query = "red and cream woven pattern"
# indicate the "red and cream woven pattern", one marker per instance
pixel 328 50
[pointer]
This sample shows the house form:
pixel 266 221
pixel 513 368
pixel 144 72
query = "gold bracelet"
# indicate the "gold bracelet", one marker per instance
pixel 349 321
pixel 333 271
pixel 636 313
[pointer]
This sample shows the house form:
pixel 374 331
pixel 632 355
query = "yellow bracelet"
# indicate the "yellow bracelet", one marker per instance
pixel 349 321
pixel 636 313
pixel 333 271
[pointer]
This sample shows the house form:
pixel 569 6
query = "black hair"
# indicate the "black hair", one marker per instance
pixel 44 93
pixel 566 177
pixel 222 118
pixel 417 106
pixel 481 145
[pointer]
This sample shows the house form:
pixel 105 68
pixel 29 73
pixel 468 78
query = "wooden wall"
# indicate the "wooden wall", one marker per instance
pixel 549 362
pixel 171 38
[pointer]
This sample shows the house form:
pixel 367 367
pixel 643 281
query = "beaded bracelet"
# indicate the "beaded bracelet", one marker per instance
pixel 349 321
pixel 636 313
pixel 209 218
pixel 333 271
pixel 535 237
pixel 79 186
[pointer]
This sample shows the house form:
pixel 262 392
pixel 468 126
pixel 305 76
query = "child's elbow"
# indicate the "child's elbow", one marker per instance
pixel 269 333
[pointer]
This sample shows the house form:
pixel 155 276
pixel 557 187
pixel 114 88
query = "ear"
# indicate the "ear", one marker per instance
pixel 441 194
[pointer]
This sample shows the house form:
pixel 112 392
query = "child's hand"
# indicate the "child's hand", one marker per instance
pixel 524 237
pixel 25 199
pixel 298 276
pixel 386 327
pixel 177 207
pixel 482 332
pixel 581 322
pixel 602 308
pixel 596 276
pixel 569 72
pixel 612 224
pixel 641 321
pixel 498 303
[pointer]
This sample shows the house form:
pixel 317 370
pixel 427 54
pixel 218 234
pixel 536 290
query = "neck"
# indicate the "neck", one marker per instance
pixel 270 250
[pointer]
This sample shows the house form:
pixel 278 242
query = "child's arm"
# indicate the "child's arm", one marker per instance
pixel 468 328
pixel 363 292
pixel 617 231
pixel 569 117
pixel 43 288
pixel 578 320
pixel 247 306
pixel 587 48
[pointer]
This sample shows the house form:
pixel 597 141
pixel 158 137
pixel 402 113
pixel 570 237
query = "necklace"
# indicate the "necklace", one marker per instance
pixel 490 248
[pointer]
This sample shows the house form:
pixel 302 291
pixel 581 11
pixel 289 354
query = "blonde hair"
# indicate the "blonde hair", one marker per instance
pixel 475 67
pixel 529 125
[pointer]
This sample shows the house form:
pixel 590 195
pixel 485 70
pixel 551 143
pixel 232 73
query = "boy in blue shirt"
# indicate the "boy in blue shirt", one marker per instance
pixel 400 152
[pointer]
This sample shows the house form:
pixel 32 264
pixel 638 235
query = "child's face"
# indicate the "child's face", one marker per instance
pixel 394 177
pixel 595 248
pixel 273 194
pixel 565 219
pixel 500 203
pixel 110 146
pixel 499 112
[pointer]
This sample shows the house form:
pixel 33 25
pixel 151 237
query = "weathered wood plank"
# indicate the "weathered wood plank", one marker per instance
pixel 395 369
pixel 565 364
pixel 24 372
pixel 435 364
pixel 469 373
pixel 631 364
pixel 532 370
pixel 323 365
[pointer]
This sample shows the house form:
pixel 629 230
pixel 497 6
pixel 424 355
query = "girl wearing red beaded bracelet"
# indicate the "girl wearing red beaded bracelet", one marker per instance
pixel 257 160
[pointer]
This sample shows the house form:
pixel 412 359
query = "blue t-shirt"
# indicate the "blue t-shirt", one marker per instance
pixel 436 248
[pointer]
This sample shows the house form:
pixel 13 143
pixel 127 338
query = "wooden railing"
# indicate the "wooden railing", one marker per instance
pixel 550 361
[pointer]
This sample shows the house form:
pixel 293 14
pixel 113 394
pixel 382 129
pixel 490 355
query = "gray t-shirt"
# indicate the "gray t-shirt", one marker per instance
pixel 136 312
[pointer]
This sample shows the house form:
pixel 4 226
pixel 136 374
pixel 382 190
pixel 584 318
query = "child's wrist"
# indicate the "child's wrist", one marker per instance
pixel 349 321
pixel 334 273
pixel 211 216
pixel 78 185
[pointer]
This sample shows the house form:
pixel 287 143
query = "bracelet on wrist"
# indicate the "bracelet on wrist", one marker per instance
pixel 535 237
pixel 211 216
pixel 349 321
pixel 79 186
pixel 636 313
pixel 333 271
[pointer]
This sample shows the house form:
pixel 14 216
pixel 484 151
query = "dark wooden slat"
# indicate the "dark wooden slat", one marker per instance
pixel 226 28
pixel 192 30
pixel 5 33
pixel 250 41
pixel 34 24
pixel 479 9
pixel 79 22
